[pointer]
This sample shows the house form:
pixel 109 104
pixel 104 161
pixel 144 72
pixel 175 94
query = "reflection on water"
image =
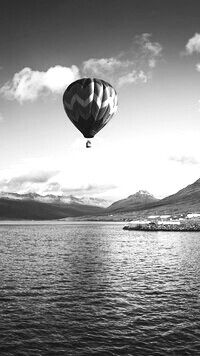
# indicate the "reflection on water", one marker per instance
pixel 96 289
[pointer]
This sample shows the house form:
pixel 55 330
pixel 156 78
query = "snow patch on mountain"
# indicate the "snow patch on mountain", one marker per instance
pixel 56 199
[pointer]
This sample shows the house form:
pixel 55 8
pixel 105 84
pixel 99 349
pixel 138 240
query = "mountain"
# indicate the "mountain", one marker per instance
pixel 189 194
pixel 185 200
pixel 139 200
pixel 58 199
pixel 35 207
pixel 142 203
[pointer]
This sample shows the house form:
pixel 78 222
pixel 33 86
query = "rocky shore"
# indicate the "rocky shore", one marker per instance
pixel 164 227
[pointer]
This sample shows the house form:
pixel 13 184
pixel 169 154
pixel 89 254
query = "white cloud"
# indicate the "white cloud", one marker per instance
pixel 96 65
pixel 152 49
pixel 80 190
pixel 29 84
pixel 198 67
pixel 15 180
pixel 157 167
pixel 34 176
pixel 189 160
pixel 1 117
pixel 193 44
pixel 133 66
pixel 37 175
pixel 133 77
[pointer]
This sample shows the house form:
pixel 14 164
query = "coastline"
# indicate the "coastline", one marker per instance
pixel 164 227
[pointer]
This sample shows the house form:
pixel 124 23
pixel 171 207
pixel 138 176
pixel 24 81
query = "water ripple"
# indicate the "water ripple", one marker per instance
pixel 94 289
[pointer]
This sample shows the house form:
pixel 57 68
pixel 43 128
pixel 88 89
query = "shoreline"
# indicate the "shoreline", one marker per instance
pixel 167 228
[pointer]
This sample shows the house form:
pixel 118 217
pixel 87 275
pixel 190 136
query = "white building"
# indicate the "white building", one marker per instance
pixel 165 217
pixel 170 222
pixel 139 222
pixel 193 215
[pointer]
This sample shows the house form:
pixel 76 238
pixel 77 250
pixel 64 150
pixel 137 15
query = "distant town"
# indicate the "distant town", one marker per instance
pixel 180 222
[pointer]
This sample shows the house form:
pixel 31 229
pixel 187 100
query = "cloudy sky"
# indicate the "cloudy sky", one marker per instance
pixel 148 50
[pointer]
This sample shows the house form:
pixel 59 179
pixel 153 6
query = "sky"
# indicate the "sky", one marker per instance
pixel 149 50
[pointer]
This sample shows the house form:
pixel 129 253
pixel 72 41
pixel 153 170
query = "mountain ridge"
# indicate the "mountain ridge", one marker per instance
pixel 16 207
pixel 135 201
pixel 36 207
pixel 51 198
pixel 185 200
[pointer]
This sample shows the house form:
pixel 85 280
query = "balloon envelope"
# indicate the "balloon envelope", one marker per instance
pixel 90 104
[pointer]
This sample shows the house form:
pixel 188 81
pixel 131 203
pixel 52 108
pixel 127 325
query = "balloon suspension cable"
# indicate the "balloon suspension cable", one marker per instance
pixel 88 144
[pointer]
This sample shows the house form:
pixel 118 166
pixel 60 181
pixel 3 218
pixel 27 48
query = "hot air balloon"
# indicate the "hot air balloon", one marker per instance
pixel 90 103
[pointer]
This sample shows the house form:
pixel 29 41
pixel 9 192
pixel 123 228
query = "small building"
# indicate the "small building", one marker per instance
pixel 139 222
pixel 193 215
pixel 170 222
pixel 165 217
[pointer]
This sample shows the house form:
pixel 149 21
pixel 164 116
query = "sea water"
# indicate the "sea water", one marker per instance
pixel 95 289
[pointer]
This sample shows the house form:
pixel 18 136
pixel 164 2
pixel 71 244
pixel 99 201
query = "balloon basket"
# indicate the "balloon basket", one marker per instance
pixel 88 144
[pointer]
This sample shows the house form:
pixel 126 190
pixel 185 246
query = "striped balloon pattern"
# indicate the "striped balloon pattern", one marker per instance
pixel 90 103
